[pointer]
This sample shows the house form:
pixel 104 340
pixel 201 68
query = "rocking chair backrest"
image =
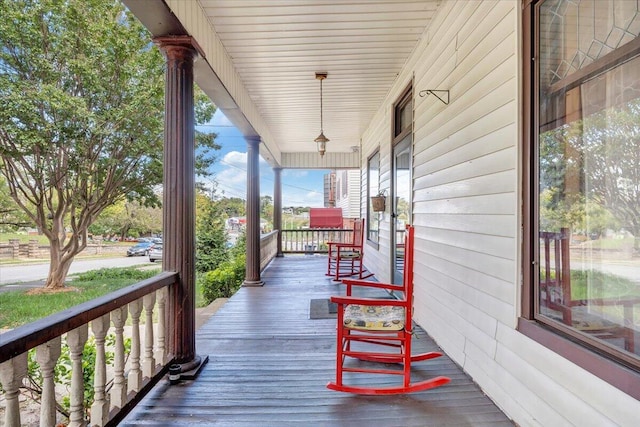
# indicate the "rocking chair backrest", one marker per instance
pixel 555 250
pixel 358 233
pixel 407 281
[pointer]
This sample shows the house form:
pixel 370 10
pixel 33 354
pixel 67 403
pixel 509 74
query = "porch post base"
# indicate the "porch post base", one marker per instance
pixel 191 370
pixel 252 283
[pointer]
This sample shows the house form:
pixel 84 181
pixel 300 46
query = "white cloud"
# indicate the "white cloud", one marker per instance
pixel 232 177
pixel 232 182
pixel 235 158
pixel 295 173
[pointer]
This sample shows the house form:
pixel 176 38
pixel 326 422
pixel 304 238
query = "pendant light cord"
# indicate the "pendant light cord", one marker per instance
pixel 321 126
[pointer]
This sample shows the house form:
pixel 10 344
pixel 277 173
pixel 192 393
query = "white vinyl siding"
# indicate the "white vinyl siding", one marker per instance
pixel 466 209
pixel 348 192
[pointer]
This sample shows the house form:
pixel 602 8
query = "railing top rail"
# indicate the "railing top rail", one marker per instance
pixel 23 338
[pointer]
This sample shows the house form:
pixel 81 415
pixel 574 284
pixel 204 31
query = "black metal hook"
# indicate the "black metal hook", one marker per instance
pixel 426 92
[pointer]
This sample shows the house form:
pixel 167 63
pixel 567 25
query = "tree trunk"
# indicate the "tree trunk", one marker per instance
pixel 58 267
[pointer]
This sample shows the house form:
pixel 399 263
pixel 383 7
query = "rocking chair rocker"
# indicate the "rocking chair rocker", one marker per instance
pixel 363 322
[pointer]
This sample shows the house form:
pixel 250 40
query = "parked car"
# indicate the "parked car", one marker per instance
pixel 141 249
pixel 155 253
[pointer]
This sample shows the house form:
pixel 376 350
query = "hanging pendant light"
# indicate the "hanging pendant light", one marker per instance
pixel 321 140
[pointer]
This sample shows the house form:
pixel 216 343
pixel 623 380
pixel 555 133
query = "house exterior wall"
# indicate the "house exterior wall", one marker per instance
pixel 348 192
pixel 466 209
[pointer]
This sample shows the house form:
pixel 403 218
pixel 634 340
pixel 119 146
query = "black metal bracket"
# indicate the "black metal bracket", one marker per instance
pixel 445 94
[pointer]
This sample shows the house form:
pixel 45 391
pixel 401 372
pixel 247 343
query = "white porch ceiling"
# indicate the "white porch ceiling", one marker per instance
pixel 276 47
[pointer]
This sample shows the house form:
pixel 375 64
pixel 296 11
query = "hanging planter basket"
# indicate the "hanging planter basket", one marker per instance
pixel 378 203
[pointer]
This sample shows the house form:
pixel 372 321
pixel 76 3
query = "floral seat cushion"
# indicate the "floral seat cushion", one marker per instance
pixel 374 318
pixel 349 254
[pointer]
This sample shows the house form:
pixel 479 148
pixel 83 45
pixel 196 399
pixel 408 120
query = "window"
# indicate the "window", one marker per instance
pixel 583 135
pixel 403 120
pixel 345 182
pixel 373 183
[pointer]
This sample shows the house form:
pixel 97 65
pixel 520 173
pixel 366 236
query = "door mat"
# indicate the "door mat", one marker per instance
pixel 322 309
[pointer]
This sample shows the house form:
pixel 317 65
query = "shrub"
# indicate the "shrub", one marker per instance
pixel 117 273
pixel 225 280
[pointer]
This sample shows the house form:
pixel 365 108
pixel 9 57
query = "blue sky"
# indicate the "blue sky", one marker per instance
pixel 299 187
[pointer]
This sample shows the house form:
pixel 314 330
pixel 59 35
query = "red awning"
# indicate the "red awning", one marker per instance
pixel 325 218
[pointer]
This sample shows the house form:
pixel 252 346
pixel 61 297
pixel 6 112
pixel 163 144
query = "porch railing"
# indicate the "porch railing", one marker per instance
pixel 313 240
pixel 115 387
pixel 268 248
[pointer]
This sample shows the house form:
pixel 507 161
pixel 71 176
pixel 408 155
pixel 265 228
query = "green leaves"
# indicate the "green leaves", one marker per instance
pixel 82 117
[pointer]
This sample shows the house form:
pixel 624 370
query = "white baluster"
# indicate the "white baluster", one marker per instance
pixel 119 389
pixel 76 340
pixel 161 350
pixel 47 355
pixel 100 407
pixel 135 374
pixel 149 363
pixel 11 374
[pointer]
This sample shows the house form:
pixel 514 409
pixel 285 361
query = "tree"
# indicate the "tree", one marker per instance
pixel 232 206
pixel 81 124
pixel 611 143
pixel 111 220
pixel 11 216
pixel 128 218
pixel 266 208
pixel 211 236
pixel 595 161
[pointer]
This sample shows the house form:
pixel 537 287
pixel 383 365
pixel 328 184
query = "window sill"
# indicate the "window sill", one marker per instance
pixel 619 376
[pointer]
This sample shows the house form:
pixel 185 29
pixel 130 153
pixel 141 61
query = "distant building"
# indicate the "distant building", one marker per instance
pixel 342 190
pixel 330 190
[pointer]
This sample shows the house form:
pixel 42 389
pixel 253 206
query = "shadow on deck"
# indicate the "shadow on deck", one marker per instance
pixel 269 364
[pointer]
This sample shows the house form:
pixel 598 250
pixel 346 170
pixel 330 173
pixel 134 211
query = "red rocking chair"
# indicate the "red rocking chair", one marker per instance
pixel 345 258
pixel 381 322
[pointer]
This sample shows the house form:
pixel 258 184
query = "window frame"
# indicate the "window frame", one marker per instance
pixel 622 373
pixel 370 212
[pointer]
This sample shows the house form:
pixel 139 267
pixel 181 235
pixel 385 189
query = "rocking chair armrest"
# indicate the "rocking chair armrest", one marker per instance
pixel 336 242
pixel 345 300
pixel 370 284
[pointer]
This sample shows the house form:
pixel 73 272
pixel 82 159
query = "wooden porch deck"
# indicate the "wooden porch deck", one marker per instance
pixel 269 364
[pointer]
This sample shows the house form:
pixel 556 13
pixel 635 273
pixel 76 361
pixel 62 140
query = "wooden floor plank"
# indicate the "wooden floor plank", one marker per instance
pixel 269 365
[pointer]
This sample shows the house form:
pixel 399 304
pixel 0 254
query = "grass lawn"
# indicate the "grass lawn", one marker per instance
pixel 19 307
pixel 596 284
pixel 25 238
pixel 611 244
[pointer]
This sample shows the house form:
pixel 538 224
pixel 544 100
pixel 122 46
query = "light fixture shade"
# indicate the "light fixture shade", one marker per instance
pixel 321 140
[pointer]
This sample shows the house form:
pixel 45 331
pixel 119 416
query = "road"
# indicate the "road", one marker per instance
pixel 12 274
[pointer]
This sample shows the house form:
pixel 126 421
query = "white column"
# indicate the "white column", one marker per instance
pixel 161 347
pixel 119 389
pixel 76 340
pixel 100 407
pixel 135 374
pixel 47 355
pixel 149 362
pixel 11 374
